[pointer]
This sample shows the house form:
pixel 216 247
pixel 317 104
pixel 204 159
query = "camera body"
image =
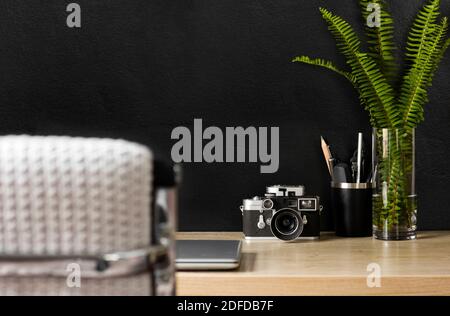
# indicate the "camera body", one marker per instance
pixel 284 212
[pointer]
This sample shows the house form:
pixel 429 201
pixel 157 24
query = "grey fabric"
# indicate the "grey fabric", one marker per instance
pixel 138 285
pixel 61 196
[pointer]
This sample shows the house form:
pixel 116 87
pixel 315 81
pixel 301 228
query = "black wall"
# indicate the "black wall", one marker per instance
pixel 138 68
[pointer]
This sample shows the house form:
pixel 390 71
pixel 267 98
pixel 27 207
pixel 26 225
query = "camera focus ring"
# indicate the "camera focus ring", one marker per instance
pixel 287 224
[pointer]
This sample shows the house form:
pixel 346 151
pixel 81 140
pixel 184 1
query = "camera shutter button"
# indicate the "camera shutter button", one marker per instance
pixel 261 223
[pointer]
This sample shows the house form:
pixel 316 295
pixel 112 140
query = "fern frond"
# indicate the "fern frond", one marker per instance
pixel 346 39
pixel 325 64
pixel 441 54
pixel 375 90
pixel 381 39
pixel 414 93
pixel 446 46
pixel 423 26
pixel 372 72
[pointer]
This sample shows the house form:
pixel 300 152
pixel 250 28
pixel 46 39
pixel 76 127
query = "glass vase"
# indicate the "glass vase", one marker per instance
pixel 394 204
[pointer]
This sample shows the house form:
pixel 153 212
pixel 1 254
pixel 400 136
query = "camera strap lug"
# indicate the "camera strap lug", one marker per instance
pixel 261 224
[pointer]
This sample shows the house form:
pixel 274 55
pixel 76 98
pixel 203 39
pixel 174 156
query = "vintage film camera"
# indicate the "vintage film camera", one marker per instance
pixel 285 212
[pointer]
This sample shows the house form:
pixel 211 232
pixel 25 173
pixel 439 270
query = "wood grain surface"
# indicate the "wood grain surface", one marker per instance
pixel 330 266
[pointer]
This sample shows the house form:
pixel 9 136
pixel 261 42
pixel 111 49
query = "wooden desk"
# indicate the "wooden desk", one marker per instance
pixel 331 266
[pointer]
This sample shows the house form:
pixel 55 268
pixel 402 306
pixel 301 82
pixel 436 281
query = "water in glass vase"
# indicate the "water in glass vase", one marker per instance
pixel 394 199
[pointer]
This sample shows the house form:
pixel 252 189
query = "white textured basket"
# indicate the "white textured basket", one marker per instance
pixel 65 195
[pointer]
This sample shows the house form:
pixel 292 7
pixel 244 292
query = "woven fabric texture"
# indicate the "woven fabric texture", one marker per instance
pixel 136 285
pixel 73 196
pixel 64 195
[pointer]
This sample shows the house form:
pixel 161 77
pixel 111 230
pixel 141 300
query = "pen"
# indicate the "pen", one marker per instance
pixel 358 161
pixel 374 175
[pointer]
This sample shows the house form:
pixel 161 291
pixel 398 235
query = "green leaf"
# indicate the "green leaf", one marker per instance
pixel 423 26
pixel 374 88
pixel 381 39
pixel 372 73
pixel 325 64
pixel 414 93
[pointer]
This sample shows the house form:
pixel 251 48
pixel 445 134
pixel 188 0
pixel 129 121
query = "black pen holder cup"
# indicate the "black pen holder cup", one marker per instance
pixel 352 208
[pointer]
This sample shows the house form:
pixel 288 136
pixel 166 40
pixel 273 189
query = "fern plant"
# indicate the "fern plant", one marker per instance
pixel 395 100
pixel 373 73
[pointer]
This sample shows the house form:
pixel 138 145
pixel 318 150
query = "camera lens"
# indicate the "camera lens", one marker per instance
pixel 286 224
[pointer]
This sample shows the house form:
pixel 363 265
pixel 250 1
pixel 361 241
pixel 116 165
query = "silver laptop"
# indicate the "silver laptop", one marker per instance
pixel 208 254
